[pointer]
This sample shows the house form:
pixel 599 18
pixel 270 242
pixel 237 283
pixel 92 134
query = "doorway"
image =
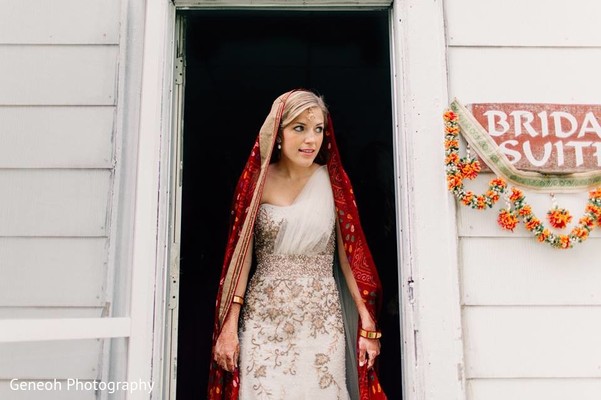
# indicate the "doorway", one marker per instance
pixel 237 63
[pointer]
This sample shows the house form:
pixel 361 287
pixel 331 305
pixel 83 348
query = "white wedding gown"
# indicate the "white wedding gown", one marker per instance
pixel 291 332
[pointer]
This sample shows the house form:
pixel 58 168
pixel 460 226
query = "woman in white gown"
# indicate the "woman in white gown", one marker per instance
pixel 281 334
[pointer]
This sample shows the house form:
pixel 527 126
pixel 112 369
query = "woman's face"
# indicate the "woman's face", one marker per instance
pixel 302 138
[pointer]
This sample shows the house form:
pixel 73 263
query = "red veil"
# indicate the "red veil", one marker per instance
pixel 222 384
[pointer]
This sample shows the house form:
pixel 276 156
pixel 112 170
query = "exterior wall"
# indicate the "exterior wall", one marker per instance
pixel 59 173
pixel 530 313
pixel 70 108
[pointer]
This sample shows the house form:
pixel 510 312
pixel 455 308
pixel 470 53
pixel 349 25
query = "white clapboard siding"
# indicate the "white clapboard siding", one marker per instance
pixel 523 23
pixel 56 137
pixel 534 389
pixel 517 271
pixel 533 342
pixel 52 272
pixel 58 75
pixel 6 392
pixel 527 75
pixel 54 202
pixel 59 21
pixel 483 223
pixel 44 312
pixel 63 359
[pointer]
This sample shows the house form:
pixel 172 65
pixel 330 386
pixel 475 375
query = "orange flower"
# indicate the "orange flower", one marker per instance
pixel 467 198
pixel 448 144
pixel 452 129
pixel 492 195
pixel 586 221
pixel 533 224
pixel 580 233
pixel 507 220
pixel 544 235
pixel 452 158
pixel 453 181
pixel 559 217
pixel 480 202
pixel 516 194
pixel 595 194
pixel 525 210
pixel 470 170
pixel 449 115
pixel 564 242
pixel 595 210
pixel 500 182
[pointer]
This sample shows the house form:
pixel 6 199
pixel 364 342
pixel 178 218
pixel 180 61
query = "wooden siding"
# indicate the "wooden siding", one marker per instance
pixel 530 312
pixel 523 23
pixel 58 75
pixel 36 137
pixel 533 342
pixel 525 75
pixel 59 69
pixel 534 389
pixel 47 360
pixel 494 273
pixel 7 393
pixel 59 22
pixel 61 360
pixel 49 202
pixel 42 272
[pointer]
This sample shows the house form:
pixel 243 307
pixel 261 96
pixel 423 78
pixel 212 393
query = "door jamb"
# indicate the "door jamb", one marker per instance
pixel 156 143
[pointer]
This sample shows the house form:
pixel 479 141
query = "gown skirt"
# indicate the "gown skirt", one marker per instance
pixel 291 329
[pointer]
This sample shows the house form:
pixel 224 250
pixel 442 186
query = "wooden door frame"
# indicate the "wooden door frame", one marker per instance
pixel 431 329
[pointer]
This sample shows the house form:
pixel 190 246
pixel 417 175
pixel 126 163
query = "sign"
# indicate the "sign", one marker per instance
pixel 548 138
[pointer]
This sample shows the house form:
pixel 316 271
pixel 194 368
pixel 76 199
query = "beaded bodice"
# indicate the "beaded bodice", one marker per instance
pixel 269 221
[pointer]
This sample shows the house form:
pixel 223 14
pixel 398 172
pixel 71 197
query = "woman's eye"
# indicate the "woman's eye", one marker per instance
pixel 319 129
pixel 298 128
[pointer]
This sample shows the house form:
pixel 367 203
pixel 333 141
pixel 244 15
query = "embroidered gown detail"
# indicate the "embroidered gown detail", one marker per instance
pixel 291 329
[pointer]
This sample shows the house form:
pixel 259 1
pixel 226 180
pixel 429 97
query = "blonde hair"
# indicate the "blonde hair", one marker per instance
pixel 298 102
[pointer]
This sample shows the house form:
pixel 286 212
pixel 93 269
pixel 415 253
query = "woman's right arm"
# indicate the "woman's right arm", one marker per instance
pixel 227 347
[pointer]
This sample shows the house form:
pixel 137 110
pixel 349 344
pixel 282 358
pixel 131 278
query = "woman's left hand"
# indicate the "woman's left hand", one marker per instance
pixel 369 349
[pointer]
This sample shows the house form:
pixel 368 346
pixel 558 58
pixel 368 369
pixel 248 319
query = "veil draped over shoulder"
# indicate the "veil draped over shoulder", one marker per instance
pixel 247 198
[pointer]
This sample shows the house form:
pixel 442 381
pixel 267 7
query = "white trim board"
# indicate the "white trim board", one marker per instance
pixel 277 4
pixel 32 330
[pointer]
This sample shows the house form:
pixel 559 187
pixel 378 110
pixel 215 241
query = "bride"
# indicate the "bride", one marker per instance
pixel 293 331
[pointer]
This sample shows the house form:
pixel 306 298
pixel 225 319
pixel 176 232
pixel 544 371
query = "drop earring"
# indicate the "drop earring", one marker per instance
pixel 279 142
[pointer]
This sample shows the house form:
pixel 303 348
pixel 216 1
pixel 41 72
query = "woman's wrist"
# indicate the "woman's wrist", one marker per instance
pixel 370 334
pixel 229 327
pixel 368 323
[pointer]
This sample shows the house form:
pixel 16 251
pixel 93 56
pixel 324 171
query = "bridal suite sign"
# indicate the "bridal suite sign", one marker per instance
pixel 549 138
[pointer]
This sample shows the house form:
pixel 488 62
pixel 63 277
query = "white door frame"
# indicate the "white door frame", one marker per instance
pixel 433 365
pixel 431 327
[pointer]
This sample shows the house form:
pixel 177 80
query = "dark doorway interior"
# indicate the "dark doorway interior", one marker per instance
pixel 238 62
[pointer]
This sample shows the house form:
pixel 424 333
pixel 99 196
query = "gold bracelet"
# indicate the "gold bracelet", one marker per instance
pixel 370 334
pixel 238 300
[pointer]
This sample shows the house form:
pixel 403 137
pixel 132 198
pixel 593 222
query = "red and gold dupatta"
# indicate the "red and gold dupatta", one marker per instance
pixel 247 198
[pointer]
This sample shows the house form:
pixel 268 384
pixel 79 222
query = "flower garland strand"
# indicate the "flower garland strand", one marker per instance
pixel 459 169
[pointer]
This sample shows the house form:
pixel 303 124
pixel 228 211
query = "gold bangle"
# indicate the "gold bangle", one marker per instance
pixel 238 300
pixel 370 334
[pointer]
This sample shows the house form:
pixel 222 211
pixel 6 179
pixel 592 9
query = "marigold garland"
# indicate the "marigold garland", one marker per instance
pixel 459 169
pixel 559 218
